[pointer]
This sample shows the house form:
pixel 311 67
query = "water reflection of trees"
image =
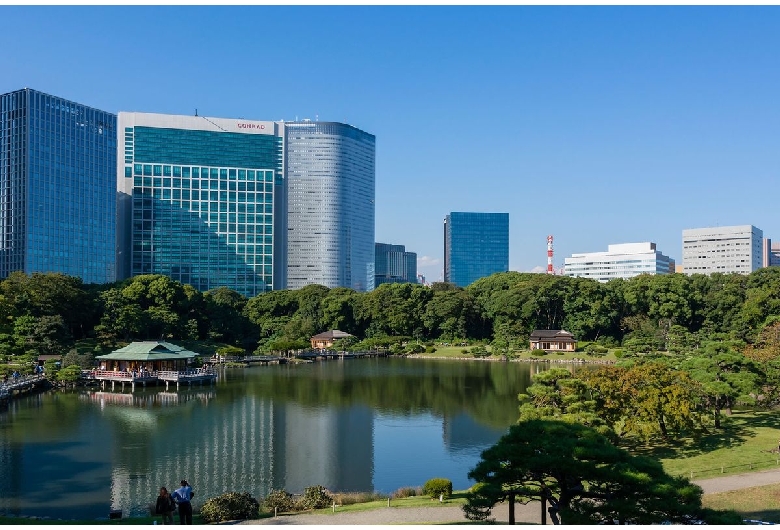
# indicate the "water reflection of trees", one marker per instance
pixel 486 391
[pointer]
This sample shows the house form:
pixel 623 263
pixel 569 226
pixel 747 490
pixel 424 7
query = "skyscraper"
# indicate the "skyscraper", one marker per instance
pixel 394 264
pixel 198 201
pixel 57 187
pixel 475 245
pixel 330 172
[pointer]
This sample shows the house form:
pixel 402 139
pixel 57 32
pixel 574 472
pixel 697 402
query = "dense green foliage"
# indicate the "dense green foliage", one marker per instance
pixel 230 507
pixel 437 486
pixel 47 312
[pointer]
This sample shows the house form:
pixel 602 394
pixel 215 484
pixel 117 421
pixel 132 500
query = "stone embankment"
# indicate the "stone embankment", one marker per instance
pixel 554 360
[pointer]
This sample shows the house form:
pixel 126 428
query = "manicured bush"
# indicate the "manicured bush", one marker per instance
pixel 279 499
pixel 430 349
pixel 538 353
pixel 595 349
pixel 230 507
pixel 618 353
pixel 438 486
pixel 479 351
pixel 314 497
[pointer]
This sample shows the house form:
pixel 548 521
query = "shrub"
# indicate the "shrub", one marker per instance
pixel 415 348
pixel 618 353
pixel 595 349
pixel 345 499
pixel 538 353
pixel 230 507
pixel 430 349
pixel 407 491
pixel 279 499
pixel 437 486
pixel 314 497
pixel 479 351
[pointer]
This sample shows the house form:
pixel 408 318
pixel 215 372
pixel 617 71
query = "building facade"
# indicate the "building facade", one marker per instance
pixel 624 260
pixel 771 253
pixel 476 245
pixel 199 201
pixel 57 187
pixel 330 172
pixel 394 265
pixel 724 249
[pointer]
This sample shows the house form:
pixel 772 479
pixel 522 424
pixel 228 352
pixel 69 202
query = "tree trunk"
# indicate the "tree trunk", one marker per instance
pixel 717 413
pixel 511 508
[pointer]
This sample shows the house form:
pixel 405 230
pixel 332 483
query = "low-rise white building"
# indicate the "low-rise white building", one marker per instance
pixel 724 249
pixel 624 260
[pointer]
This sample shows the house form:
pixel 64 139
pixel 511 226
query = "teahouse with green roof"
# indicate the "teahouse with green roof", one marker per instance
pixel 151 356
pixel 149 361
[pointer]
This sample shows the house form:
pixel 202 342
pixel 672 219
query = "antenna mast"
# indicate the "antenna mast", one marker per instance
pixel 550 255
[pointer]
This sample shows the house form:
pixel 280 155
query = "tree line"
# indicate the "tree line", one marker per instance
pixel 674 313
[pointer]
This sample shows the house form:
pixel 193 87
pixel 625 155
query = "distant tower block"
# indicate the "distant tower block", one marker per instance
pixel 550 255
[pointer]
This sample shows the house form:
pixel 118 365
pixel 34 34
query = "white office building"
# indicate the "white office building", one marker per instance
pixel 625 260
pixel 722 249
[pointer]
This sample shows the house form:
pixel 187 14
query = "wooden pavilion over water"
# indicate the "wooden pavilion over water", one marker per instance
pixel 147 362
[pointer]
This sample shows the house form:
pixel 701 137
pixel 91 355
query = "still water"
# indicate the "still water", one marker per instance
pixel 355 425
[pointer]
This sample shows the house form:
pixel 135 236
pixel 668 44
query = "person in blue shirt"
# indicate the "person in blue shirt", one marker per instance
pixel 183 496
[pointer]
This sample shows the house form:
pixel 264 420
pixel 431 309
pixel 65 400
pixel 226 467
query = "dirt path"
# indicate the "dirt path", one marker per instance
pixel 453 514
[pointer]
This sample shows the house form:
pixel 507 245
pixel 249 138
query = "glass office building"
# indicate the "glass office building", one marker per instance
pixel 393 264
pixel 330 171
pixel 57 187
pixel 197 201
pixel 476 245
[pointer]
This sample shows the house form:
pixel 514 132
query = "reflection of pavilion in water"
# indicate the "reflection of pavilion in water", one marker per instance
pixel 248 444
pixel 147 400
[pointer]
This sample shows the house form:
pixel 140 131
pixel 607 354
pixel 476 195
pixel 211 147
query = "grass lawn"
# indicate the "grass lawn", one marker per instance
pixel 761 503
pixel 456 352
pixel 747 442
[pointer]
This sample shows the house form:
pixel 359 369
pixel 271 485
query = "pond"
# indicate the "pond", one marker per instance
pixel 354 425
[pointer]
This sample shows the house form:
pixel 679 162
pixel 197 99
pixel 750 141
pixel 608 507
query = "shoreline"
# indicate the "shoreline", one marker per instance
pixel 576 360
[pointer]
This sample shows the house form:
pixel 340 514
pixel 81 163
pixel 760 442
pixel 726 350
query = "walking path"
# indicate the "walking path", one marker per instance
pixel 528 513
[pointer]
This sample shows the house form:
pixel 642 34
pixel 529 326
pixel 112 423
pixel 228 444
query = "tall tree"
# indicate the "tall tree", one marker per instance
pixel 585 478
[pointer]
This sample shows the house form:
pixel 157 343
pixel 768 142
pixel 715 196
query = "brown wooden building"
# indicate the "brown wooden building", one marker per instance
pixel 326 339
pixel 552 340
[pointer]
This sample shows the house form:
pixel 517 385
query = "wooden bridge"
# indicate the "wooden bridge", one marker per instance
pixel 249 359
pixel 314 355
pixel 198 375
pixel 21 385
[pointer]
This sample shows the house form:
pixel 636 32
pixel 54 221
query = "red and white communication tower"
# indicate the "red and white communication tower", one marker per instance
pixel 550 255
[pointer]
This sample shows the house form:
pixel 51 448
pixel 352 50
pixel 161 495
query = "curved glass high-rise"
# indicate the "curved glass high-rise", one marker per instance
pixel 57 187
pixel 330 170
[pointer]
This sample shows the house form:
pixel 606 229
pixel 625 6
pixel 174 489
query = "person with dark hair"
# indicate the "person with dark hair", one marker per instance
pixel 183 496
pixel 165 506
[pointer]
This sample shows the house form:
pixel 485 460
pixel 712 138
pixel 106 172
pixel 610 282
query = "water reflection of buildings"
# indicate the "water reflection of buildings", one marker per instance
pixel 333 448
pixel 249 444
pixel 462 434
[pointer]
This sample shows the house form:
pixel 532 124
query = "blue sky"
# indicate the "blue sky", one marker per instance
pixel 598 125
